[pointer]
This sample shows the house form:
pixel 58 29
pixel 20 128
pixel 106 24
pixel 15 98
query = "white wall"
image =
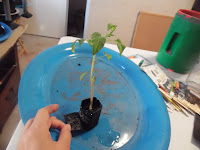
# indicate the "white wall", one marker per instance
pixel 49 18
pixel 124 14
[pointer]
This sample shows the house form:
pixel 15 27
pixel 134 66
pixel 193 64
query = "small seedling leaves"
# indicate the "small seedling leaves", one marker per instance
pixel 98 44
pixel 108 55
pixel 111 27
pixel 120 46
pixel 90 42
pixel 109 35
pixel 73 46
pixel 81 41
pixel 82 75
pixel 118 41
pixel 95 35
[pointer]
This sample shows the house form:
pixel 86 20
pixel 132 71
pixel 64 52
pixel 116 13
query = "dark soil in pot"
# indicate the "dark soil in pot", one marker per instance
pixel 89 118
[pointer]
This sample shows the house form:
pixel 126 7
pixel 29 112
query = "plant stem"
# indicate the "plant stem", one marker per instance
pixel 92 82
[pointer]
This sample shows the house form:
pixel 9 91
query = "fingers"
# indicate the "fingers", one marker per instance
pixel 57 124
pixel 42 115
pixel 50 120
pixel 53 117
pixel 29 123
pixel 51 108
pixel 65 136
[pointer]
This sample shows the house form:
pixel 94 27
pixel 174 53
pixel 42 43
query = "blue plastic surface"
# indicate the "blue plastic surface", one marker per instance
pixel 7 32
pixel 134 115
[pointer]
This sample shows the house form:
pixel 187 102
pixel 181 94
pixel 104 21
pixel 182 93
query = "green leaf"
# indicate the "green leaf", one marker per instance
pixel 81 41
pixel 73 46
pixel 113 29
pixel 109 26
pixel 82 75
pixel 95 35
pixel 98 44
pixel 90 42
pixel 121 47
pixel 108 55
pixel 118 41
pixel 109 35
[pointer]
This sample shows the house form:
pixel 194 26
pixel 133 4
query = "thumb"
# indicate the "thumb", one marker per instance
pixel 65 137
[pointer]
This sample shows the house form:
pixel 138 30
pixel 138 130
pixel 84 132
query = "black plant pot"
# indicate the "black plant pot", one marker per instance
pixel 89 118
pixel 85 119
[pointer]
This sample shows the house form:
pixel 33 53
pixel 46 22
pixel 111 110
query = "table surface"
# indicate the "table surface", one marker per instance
pixel 5 45
pixel 181 126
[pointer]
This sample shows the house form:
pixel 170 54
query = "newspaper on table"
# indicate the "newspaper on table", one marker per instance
pixel 176 90
pixel 156 74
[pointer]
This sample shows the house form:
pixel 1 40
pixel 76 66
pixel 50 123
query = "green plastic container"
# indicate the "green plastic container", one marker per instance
pixel 181 46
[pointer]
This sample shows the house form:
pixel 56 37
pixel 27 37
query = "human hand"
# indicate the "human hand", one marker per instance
pixel 36 135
